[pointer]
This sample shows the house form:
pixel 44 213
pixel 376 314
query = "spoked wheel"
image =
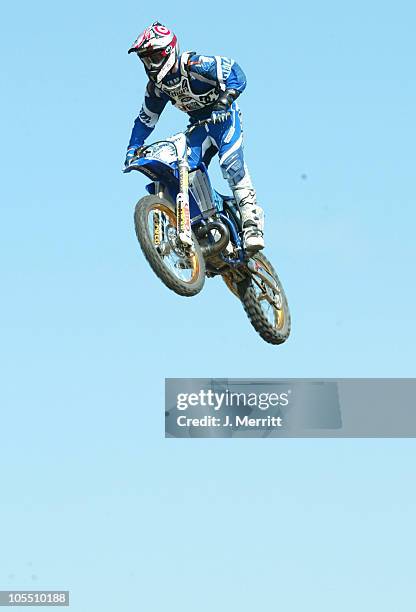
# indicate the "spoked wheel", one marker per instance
pixel 179 268
pixel 264 300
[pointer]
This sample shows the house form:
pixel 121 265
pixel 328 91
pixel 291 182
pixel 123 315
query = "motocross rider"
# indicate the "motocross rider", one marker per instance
pixel 202 86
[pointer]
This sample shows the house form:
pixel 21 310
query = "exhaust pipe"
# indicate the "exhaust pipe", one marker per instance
pixel 220 244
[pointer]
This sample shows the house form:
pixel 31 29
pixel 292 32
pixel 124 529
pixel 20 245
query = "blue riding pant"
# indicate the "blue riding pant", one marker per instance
pixel 226 139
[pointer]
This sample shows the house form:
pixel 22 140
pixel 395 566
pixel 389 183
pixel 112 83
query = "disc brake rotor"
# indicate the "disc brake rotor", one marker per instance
pixel 179 259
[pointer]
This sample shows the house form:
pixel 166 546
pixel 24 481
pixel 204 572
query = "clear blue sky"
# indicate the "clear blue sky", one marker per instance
pixel 93 496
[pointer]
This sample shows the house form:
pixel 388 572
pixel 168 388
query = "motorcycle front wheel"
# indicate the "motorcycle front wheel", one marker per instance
pixel 180 269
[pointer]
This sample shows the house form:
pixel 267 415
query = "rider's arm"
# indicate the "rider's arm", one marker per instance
pixel 154 103
pixel 220 71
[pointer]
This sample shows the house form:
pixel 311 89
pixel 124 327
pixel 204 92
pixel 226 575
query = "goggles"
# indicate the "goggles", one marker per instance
pixel 153 60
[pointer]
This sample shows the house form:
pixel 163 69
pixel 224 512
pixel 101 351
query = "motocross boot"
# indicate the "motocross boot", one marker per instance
pixel 252 218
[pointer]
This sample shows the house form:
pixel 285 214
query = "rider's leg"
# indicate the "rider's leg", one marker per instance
pixel 252 215
pixel 229 139
pixel 198 143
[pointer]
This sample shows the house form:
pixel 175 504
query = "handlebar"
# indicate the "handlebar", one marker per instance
pixel 187 132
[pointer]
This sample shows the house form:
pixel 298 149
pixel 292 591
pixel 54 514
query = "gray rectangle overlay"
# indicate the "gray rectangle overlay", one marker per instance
pixel 34 598
pixel 290 408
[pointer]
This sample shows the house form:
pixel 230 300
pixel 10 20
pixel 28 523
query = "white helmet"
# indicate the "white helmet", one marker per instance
pixel 158 49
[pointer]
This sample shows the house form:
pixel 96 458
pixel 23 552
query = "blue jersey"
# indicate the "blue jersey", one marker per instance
pixel 193 87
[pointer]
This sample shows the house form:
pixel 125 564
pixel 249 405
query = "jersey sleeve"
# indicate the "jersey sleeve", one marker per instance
pixel 218 70
pixel 154 103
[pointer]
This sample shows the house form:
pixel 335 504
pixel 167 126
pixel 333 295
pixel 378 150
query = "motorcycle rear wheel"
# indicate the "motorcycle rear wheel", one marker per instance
pixel 266 308
pixel 155 224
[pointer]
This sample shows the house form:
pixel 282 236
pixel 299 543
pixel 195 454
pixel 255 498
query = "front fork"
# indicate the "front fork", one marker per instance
pixel 183 216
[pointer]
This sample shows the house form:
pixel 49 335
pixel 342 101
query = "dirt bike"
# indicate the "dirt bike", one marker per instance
pixel 188 231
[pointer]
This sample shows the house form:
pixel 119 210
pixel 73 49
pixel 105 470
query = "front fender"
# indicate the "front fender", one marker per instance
pixel 155 170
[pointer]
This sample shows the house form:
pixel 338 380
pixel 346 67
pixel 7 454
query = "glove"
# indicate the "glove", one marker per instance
pixel 219 116
pixel 131 152
pixel 220 110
